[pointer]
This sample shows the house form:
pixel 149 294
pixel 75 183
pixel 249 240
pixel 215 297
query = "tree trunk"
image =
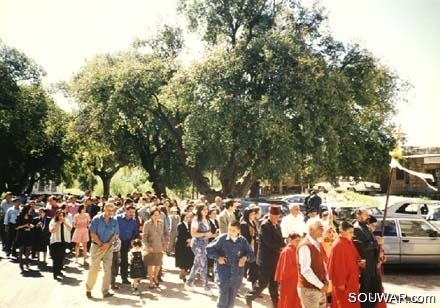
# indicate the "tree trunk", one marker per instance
pixel 106 177
pixel 147 161
pixel 157 183
pixel 106 185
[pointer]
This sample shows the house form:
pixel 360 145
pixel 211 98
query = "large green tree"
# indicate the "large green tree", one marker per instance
pixel 278 95
pixel 119 99
pixel 32 127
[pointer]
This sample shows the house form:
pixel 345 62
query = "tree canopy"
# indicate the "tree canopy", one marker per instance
pixel 32 127
pixel 274 95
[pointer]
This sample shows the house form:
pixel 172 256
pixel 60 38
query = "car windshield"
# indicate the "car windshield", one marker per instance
pixel 434 214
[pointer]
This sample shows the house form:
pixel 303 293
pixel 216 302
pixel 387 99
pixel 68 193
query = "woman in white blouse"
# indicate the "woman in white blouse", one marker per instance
pixel 60 231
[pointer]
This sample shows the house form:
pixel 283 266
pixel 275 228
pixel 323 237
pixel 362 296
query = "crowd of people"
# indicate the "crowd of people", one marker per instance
pixel 303 260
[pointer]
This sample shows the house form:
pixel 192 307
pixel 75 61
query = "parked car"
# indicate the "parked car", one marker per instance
pixel 409 239
pixel 323 186
pixel 360 187
pixel 413 206
pixel 296 199
pixel 434 215
pixel 348 213
pixel 355 186
pixel 263 204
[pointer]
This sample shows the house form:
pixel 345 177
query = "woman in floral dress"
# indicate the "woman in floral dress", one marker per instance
pixel 201 233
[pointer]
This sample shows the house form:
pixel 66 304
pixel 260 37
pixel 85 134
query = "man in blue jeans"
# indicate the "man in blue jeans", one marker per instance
pixel 230 252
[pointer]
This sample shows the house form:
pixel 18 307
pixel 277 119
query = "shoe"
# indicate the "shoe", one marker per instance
pixel 89 294
pixel 126 281
pixel 248 302
pixel 189 288
pixel 107 295
pixel 136 292
pixel 208 292
pixel 156 282
pixel 115 287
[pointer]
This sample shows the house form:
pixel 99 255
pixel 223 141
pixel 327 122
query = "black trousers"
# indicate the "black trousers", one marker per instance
pixel 125 248
pixel 57 253
pixel 10 245
pixel 370 283
pixel 3 233
pixel 265 279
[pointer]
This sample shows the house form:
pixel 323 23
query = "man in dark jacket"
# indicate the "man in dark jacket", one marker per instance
pixel 270 245
pixel 368 248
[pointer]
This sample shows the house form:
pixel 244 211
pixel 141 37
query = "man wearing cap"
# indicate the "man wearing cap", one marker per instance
pixel 312 215
pixel 294 222
pixel 368 247
pixel 313 201
pixel 227 216
pixel 10 221
pixel 5 205
pixel 270 244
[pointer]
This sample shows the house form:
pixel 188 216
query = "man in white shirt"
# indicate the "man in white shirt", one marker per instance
pixel 294 222
pixel 313 276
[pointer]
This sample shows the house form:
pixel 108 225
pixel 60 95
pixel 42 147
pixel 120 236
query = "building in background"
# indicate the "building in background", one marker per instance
pixel 425 160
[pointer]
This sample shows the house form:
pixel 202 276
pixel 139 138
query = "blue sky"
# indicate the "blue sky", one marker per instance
pixel 404 34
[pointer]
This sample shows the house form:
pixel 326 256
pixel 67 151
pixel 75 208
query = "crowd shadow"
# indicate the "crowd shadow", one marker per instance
pixel 31 273
pixel 73 270
pixel 71 281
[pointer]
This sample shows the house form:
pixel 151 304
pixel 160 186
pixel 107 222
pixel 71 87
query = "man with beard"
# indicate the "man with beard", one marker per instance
pixel 368 248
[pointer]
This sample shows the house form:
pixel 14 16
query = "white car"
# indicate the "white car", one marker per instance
pixel 361 186
pixel 409 239
pixel 413 206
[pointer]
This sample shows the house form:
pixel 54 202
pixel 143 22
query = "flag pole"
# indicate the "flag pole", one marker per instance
pixel 390 177
pixel 396 153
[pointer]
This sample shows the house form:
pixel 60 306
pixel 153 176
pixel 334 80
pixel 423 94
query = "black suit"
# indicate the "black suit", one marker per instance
pixel 251 270
pixel 366 244
pixel 42 234
pixel 270 244
pixel 184 257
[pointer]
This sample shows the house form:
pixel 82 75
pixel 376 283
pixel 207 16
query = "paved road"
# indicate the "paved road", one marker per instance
pixel 37 289
pixel 413 281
